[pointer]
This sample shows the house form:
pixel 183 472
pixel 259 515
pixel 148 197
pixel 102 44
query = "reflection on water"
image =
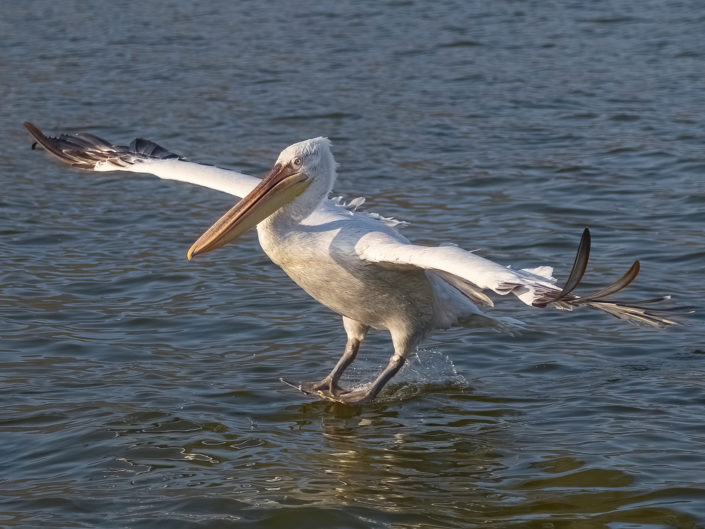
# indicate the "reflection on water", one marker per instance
pixel 141 390
pixel 359 467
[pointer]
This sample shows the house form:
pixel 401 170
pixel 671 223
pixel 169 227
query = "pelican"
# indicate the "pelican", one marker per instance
pixel 355 263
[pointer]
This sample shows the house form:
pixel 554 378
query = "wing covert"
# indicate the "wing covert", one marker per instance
pixel 461 268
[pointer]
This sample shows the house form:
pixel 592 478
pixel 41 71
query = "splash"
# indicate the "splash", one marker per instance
pixel 431 366
pixel 425 371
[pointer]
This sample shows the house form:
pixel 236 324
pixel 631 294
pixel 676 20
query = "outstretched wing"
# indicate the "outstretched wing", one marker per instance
pixel 472 274
pixel 468 272
pixel 141 156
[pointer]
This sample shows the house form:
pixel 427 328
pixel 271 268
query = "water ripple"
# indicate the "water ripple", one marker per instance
pixel 141 390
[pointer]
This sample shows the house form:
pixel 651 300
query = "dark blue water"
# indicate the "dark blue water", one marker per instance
pixel 140 390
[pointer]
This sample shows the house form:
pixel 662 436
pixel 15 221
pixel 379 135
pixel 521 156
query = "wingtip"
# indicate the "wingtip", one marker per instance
pixel 33 129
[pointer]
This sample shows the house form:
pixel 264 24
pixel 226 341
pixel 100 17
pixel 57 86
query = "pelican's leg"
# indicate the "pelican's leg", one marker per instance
pixel 402 346
pixel 356 333
pixel 330 383
pixel 361 396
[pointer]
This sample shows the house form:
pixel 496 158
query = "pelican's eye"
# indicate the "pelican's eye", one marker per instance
pixel 297 162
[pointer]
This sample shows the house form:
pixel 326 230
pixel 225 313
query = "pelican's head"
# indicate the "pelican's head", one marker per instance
pixel 301 178
pixel 312 156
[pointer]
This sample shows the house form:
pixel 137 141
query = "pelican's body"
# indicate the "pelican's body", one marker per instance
pixel 322 251
pixel 355 263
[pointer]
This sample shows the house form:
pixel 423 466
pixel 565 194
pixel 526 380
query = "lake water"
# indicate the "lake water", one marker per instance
pixel 141 390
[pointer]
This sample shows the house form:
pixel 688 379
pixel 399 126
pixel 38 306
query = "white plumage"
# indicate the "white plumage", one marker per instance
pixel 355 263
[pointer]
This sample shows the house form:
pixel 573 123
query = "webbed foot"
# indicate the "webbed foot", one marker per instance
pixel 323 390
pixel 322 387
pixel 356 396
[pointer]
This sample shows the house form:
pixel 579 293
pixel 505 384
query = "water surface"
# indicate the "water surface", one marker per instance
pixel 141 390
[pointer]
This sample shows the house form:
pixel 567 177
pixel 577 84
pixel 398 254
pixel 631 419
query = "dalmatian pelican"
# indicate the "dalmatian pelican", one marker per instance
pixel 355 263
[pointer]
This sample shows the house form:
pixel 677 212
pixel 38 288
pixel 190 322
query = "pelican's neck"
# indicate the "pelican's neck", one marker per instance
pixel 320 168
pixel 293 213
